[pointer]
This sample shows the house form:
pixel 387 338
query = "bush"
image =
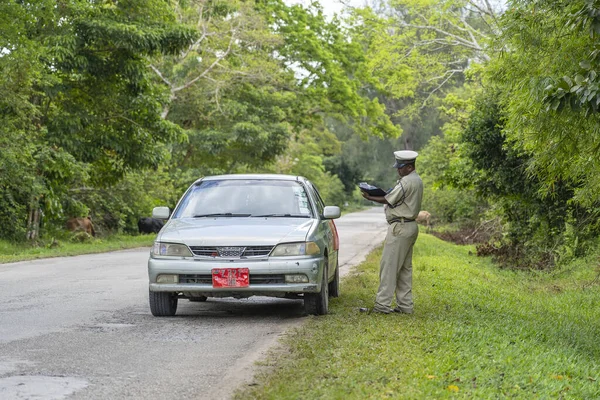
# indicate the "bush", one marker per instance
pixel 117 208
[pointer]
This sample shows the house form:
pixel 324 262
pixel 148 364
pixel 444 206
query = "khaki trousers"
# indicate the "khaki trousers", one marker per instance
pixel 395 269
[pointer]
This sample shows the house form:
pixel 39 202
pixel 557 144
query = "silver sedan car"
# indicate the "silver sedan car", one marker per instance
pixel 246 235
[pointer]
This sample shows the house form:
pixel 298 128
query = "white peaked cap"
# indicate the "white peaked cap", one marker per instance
pixel 404 157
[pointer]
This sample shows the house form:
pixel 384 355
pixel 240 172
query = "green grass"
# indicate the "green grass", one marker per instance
pixel 11 252
pixel 478 332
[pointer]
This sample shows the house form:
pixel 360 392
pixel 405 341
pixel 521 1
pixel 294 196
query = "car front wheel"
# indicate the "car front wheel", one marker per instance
pixel 163 304
pixel 318 303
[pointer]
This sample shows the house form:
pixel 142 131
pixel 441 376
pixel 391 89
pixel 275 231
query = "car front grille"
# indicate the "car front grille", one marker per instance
pixel 195 278
pixel 232 252
pixel 266 279
pixel 255 279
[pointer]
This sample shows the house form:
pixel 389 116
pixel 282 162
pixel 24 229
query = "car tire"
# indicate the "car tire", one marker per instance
pixel 198 299
pixel 334 285
pixel 318 303
pixel 163 304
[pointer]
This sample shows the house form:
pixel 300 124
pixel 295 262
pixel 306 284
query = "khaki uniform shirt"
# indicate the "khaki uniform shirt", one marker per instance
pixel 405 198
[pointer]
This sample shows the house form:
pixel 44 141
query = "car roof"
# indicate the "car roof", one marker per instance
pixel 278 177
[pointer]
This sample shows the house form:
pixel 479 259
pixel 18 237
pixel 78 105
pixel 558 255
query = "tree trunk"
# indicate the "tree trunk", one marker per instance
pixel 407 143
pixel 33 220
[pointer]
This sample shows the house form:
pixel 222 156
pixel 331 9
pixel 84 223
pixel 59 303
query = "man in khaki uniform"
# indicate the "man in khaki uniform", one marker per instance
pixel 402 205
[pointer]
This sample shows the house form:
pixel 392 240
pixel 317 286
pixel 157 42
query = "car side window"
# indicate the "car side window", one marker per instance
pixel 301 200
pixel 318 199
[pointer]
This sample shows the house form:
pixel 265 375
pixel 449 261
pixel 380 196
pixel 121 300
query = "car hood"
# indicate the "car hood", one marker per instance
pixel 235 231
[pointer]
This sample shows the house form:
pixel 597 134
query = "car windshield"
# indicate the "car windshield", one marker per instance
pixel 245 198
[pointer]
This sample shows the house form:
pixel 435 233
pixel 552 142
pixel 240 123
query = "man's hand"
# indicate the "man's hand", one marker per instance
pixel 376 199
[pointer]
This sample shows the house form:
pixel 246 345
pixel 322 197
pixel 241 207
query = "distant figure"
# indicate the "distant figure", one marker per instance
pixel 424 218
pixel 81 225
pixel 150 225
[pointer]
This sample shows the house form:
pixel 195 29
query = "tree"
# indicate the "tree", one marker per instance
pixel 448 177
pixel 540 227
pixel 226 90
pixel 417 52
pixel 260 81
pixel 580 89
pixel 331 64
pixel 418 48
pixel 83 100
pixel 538 48
pixel 305 157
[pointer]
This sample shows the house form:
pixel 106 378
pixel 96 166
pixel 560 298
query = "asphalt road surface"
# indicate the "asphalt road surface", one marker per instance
pixel 80 327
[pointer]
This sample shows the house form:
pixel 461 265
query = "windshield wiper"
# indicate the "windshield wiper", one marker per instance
pixel 221 215
pixel 283 215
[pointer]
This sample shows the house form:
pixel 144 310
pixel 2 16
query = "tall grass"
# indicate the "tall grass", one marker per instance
pixel 478 332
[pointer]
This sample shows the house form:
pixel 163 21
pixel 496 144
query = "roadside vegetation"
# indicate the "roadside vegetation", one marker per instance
pixel 13 252
pixel 478 332
pixel 500 99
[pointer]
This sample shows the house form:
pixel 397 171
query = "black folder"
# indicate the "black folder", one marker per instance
pixel 371 190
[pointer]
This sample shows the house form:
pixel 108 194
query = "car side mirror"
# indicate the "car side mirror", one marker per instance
pixel 161 212
pixel 331 212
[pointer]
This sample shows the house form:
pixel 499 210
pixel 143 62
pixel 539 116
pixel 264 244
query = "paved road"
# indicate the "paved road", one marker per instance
pixel 80 328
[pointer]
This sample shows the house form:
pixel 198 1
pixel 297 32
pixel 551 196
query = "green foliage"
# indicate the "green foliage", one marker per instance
pixel 104 109
pixel 346 170
pixel 78 107
pixel 116 208
pixel 544 48
pixel 540 225
pixel 251 110
pixel 330 62
pixel 447 203
pixel 418 51
pixel 532 141
pixel 371 159
pixel 246 128
pixel 17 182
pixel 581 90
pixel 104 99
pixel 416 54
pixel 279 86
pixel 448 191
pixel 305 157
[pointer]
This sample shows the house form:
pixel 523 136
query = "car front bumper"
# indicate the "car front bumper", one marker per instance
pixel 309 266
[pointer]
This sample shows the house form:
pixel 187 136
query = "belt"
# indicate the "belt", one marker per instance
pixel 400 219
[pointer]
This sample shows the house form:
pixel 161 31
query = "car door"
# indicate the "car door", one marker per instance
pixel 326 231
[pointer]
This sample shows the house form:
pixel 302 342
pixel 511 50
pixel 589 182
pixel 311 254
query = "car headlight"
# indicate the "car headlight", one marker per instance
pixel 296 249
pixel 167 278
pixel 171 249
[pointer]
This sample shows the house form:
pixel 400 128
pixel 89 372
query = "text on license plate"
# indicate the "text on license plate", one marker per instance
pixel 230 277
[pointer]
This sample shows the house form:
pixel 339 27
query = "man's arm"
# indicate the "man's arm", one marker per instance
pixel 377 199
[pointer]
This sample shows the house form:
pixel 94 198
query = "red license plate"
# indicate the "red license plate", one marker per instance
pixel 230 277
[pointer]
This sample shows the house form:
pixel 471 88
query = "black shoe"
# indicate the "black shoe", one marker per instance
pixel 399 311
pixel 371 311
